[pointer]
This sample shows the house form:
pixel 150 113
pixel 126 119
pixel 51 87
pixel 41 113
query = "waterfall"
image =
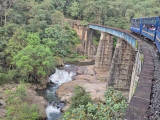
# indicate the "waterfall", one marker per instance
pixel 60 76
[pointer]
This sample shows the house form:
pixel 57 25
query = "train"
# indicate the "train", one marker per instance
pixel 148 27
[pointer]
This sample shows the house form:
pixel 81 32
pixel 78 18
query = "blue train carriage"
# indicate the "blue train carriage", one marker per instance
pixel 136 25
pixel 157 38
pixel 149 27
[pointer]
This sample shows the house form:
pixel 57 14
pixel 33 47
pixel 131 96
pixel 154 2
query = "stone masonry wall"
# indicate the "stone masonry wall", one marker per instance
pixel 86 36
pixel 104 52
pixel 122 66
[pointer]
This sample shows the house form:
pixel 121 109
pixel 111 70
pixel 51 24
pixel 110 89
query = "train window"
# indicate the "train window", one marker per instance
pixel 132 22
pixel 144 21
pixel 152 21
pixel 138 23
pixel 149 21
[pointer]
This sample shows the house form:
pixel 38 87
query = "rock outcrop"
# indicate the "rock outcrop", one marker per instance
pixel 86 78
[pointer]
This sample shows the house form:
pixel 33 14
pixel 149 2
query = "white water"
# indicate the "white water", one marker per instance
pixel 59 77
pixel 52 109
pixel 62 76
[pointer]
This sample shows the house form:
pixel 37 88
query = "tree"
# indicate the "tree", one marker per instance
pixel 17 42
pixel 34 61
pixel 41 17
pixel 57 18
pixel 56 39
pixel 80 97
pixel 74 10
pixel 4 5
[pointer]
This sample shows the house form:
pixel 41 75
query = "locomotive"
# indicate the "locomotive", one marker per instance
pixel 149 27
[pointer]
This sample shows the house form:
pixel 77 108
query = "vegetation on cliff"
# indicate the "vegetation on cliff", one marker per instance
pixel 17 107
pixel 113 108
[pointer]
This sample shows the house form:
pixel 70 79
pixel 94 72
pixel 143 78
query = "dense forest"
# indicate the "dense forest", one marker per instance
pixel 26 28
pixel 34 38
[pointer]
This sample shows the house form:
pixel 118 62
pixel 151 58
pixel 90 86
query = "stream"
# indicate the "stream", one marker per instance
pixel 61 75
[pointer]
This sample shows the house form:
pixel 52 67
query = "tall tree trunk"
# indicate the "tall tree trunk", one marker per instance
pixel 5 14
pixel 1 20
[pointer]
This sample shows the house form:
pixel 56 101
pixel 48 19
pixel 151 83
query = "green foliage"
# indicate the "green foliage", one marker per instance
pixel 115 102
pixel 115 13
pixel 58 18
pixel 3 78
pixel 74 58
pixel 33 56
pixel 8 77
pixel 74 9
pixel 80 97
pixel 136 44
pixel 84 23
pixel 34 60
pixel 60 40
pixel 18 108
pixel 114 41
pixel 113 109
pixel 95 41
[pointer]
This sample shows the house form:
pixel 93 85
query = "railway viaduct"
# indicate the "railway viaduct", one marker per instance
pixel 129 66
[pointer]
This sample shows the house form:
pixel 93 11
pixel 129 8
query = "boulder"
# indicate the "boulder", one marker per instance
pixel 80 49
pixel 2 104
pixel 86 70
pixel 2 113
pixel 33 98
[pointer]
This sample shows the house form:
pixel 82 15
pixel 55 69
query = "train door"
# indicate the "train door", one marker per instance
pixel 141 25
pixel 157 38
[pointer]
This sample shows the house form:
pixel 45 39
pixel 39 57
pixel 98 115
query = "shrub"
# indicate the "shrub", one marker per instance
pixel 113 109
pixel 17 108
pixel 80 97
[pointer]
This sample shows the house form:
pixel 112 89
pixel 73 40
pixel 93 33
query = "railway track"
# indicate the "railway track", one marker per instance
pixel 151 62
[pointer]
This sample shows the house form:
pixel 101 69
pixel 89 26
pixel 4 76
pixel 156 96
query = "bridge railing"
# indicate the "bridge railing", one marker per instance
pixel 116 32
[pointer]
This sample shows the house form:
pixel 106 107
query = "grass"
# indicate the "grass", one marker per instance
pixel 95 41
pixel 74 59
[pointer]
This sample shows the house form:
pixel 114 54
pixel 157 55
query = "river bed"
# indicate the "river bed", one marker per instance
pixel 61 75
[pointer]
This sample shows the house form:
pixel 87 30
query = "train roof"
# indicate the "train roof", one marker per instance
pixel 147 17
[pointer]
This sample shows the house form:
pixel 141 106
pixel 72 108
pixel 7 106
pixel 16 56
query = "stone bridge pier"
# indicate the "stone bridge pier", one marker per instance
pixel 122 66
pixel 104 52
pixel 86 36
